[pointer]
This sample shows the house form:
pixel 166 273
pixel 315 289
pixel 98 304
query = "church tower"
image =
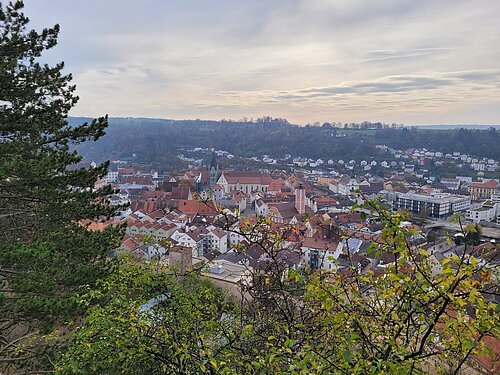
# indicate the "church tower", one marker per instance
pixel 300 199
pixel 213 171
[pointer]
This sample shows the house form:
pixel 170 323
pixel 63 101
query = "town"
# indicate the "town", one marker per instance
pixel 259 187
pixel 165 213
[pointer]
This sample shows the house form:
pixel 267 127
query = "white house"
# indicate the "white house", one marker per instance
pixel 320 254
pixel 261 208
pixel 187 239
pixel 347 185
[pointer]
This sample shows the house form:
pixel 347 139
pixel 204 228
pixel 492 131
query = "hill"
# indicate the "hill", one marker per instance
pixel 156 140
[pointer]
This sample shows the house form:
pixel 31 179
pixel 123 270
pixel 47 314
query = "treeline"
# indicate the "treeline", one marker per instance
pixel 156 141
pixel 475 142
pixel 152 140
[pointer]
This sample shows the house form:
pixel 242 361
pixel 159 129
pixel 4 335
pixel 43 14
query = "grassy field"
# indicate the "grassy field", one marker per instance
pixel 364 132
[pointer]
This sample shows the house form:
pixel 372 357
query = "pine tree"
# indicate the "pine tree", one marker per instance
pixel 38 191
pixel 46 256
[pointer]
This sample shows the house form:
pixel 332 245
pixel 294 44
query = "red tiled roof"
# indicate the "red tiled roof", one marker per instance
pixel 138 180
pixel 247 177
pixel 276 185
pixel 148 194
pixel 326 200
pixel 193 207
pixel 491 184
pixel 131 243
pixel 156 214
pixel 180 192
pixel 143 206
pixel 346 218
pixel 126 170
pixel 97 226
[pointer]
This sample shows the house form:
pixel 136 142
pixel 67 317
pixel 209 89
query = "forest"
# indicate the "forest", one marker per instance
pixel 153 140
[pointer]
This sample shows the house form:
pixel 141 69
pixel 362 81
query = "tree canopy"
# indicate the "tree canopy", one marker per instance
pixel 416 316
pixel 46 255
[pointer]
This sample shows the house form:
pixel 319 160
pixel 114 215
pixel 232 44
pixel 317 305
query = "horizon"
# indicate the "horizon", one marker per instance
pixel 392 61
pixel 316 123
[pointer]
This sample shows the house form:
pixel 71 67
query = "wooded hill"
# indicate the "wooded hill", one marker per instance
pixel 152 140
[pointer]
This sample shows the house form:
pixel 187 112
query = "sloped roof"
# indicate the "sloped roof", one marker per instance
pixel 131 243
pixel 316 243
pixel 126 170
pixel 277 185
pixel 193 207
pixel 218 232
pixel 179 192
pixel 143 206
pixel 138 180
pixel 491 184
pixel 286 210
pixel 247 177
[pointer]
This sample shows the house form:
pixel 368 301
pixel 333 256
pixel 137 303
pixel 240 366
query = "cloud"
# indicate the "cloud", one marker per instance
pixel 307 60
pixel 401 54
pixel 386 85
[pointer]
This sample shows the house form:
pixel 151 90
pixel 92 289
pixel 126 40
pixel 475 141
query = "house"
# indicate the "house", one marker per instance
pixel 483 190
pixel 282 212
pixel 320 253
pixel 347 185
pixel 215 239
pixel 334 186
pixel 451 183
pixel 124 172
pixel 112 175
pixel 261 208
pixel 191 239
pixel 137 182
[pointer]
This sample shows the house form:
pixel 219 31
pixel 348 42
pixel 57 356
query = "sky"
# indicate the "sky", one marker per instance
pixel 414 62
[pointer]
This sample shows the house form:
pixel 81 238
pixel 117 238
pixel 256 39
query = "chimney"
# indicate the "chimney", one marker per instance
pixel 300 199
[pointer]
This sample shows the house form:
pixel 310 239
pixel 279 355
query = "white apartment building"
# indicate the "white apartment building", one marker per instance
pixel 437 205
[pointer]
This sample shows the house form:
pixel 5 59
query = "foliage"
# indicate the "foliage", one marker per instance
pixel 46 256
pixel 415 316
pixel 145 319
pixel 151 140
pixel 155 141
pixel 470 141
pixel 39 193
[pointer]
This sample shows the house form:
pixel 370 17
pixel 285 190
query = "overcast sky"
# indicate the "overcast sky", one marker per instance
pixel 403 61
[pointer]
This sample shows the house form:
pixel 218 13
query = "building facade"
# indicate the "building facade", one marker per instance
pixel 483 190
pixel 435 205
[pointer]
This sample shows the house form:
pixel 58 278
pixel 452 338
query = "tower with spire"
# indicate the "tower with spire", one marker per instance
pixel 300 199
pixel 213 171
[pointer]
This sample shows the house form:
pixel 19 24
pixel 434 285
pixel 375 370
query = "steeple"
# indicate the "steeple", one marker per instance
pixel 300 199
pixel 213 162
pixel 213 171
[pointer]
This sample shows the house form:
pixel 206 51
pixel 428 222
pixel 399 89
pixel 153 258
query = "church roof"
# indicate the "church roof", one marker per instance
pixel 247 177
